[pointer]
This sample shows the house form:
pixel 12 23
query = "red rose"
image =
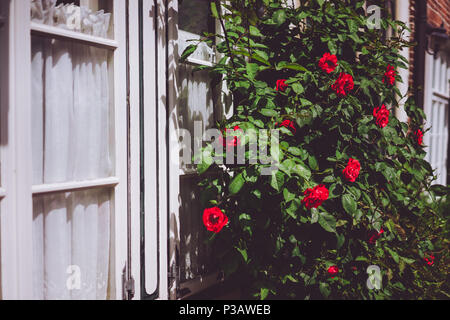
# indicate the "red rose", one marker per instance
pixel 343 84
pixel 419 136
pixel 381 115
pixel 314 197
pixel 352 169
pixel 375 236
pixel 328 62
pixel 232 140
pixel 289 124
pixel 214 219
pixel 429 260
pixel 281 85
pixel 333 271
pixel 389 75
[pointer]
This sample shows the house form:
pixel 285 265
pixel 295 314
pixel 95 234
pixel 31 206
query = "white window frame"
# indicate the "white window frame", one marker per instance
pixel 16 206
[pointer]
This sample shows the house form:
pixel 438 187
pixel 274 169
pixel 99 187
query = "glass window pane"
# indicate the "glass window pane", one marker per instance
pixel 194 16
pixel 71 245
pixel 91 17
pixel 72 130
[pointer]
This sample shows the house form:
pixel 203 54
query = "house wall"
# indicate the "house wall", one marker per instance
pixel 438 14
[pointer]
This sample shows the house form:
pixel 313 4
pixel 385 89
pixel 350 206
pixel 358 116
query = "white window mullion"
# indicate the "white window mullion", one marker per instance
pixel 16 206
pixel 119 218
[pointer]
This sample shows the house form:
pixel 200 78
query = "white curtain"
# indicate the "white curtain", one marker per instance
pixel 72 137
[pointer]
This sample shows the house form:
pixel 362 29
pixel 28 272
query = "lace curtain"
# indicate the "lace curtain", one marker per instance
pixel 72 137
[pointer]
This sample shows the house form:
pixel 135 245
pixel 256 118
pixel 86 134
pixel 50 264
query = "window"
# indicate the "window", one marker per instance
pixel 437 95
pixel 77 147
pixel 73 149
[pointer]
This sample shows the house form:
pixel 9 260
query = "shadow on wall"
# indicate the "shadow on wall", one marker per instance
pixel 4 75
pixel 4 95
pixel 191 98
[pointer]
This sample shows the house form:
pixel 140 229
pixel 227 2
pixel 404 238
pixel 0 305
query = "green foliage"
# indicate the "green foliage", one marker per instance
pixel 283 249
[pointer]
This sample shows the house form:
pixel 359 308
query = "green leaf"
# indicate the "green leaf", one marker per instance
pixel 237 184
pixel 292 66
pixel 349 204
pixel 408 260
pixel 292 209
pixel 279 17
pixel 355 192
pixel 277 180
pixel 244 254
pixel 340 240
pixel 190 49
pixel 288 196
pixel 264 293
pixel 295 151
pixel 206 160
pixel 352 25
pixel 304 118
pixel 313 163
pixel 245 216
pixel 287 166
pixel 252 69
pixel 327 221
pixel 399 286
pixel 268 112
pixel 255 32
pixel 276 153
pixel 332 47
pixel 305 102
pixel 335 190
pixel 361 258
pixel 261 56
pixel 324 289
pixel 394 255
pixel 298 88
pixel 302 171
pixel 291 278
pixel 214 10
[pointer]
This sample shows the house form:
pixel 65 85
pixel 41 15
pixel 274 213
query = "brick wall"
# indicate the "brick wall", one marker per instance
pixel 438 12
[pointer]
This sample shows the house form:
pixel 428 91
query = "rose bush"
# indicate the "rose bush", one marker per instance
pixel 326 81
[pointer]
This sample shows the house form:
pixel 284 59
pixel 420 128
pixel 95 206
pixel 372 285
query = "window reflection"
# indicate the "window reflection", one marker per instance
pixel 194 16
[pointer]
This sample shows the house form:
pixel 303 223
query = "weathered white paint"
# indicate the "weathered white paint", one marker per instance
pixel 402 14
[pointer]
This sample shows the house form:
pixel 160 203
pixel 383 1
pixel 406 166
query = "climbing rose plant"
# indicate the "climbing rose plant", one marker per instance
pixel 352 188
